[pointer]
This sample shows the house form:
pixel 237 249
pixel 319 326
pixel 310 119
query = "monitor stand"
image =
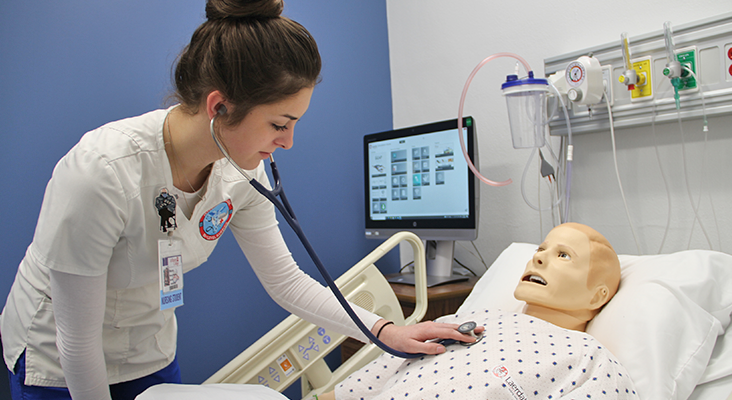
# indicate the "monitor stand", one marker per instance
pixel 439 255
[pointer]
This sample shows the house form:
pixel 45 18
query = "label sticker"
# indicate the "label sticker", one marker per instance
pixel 502 373
pixel 170 263
pixel 284 362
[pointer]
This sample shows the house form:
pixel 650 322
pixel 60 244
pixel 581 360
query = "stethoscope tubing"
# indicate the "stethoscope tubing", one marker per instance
pixel 288 214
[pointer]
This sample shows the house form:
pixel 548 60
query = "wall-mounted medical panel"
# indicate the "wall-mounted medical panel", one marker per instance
pixel 704 46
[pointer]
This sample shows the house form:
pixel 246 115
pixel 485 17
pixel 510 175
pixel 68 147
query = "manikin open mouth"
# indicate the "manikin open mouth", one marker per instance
pixel 534 279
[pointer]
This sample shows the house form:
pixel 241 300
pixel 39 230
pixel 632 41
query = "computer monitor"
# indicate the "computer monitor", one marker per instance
pixel 417 180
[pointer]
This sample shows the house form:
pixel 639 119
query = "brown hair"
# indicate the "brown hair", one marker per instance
pixel 248 52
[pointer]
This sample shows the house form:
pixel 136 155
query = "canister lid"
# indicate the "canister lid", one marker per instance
pixel 513 80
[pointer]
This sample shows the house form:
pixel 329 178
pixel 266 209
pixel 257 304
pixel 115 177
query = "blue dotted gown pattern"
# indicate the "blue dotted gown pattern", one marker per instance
pixel 539 361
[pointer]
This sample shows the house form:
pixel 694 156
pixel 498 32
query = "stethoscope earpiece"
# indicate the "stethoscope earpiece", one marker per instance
pixel 221 110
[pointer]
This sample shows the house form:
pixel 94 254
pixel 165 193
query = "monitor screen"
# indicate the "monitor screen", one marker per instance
pixel 417 179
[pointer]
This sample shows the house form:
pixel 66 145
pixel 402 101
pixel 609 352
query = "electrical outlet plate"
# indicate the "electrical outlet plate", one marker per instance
pixel 644 88
pixel 607 81
pixel 689 58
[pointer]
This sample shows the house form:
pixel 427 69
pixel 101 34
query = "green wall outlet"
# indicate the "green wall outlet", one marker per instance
pixel 688 57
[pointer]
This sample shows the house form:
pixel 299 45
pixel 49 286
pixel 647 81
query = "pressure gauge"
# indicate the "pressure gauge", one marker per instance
pixel 575 73
pixel 584 77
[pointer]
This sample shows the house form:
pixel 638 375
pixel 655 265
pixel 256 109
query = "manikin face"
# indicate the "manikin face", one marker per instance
pixel 556 277
pixel 265 129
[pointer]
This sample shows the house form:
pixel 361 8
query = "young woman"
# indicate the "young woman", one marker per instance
pixel 139 201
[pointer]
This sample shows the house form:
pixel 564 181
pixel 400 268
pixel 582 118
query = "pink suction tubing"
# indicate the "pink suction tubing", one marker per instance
pixel 460 115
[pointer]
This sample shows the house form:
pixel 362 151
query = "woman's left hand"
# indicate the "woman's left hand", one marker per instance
pixel 413 338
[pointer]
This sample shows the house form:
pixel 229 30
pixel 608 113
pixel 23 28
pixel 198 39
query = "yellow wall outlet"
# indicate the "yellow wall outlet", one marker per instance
pixel 644 88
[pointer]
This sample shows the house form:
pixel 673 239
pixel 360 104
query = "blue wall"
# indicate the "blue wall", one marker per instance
pixel 67 67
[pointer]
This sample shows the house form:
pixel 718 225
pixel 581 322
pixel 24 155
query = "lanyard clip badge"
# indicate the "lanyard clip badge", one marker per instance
pixel 170 253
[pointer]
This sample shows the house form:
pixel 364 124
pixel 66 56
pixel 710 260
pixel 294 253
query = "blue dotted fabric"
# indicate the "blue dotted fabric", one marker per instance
pixel 521 357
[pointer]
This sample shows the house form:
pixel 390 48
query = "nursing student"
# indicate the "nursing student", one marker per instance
pixel 139 201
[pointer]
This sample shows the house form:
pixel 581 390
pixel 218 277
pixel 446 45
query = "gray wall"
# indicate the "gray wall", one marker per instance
pixel 435 45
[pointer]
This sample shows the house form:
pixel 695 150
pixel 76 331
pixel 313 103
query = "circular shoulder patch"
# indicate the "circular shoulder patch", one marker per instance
pixel 214 221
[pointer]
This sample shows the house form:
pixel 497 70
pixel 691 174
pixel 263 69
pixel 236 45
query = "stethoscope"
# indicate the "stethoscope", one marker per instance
pixel 286 210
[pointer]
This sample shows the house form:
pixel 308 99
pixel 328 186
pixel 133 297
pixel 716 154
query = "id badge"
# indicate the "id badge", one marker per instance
pixel 170 272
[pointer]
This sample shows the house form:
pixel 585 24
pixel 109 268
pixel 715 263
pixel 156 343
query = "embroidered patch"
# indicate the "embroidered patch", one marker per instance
pixel 214 221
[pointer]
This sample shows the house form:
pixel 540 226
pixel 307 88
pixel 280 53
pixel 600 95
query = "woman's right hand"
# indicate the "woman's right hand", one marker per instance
pixel 414 338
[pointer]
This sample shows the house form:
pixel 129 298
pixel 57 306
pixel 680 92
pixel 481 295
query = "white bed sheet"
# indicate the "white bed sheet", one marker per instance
pixel 217 391
pixel 666 324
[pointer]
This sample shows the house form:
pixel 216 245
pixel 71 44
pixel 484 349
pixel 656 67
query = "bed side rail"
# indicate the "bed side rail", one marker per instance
pixel 295 348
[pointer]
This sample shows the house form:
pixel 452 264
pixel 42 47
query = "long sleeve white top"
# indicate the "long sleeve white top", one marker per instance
pixel 98 230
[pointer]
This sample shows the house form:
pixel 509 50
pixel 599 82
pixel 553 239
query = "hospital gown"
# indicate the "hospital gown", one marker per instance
pixel 520 357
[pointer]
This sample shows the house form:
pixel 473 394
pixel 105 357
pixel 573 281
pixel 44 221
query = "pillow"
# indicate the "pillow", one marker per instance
pixel 662 324
pixel 495 288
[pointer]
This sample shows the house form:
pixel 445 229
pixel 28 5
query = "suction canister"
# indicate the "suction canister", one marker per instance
pixel 527 115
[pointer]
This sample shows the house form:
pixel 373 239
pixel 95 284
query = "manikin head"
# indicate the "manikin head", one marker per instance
pixel 573 273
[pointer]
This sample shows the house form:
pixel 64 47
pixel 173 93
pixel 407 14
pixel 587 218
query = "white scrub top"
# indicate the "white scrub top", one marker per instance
pixel 99 216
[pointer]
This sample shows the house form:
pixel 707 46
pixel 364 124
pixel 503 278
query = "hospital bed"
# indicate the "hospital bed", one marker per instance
pixel 295 348
pixel 667 324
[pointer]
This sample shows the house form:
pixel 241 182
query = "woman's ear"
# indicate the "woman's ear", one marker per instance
pixel 214 103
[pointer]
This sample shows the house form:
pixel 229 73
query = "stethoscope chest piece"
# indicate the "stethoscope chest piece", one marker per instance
pixel 468 328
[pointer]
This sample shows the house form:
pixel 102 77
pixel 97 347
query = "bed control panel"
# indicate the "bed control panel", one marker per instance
pixel 307 350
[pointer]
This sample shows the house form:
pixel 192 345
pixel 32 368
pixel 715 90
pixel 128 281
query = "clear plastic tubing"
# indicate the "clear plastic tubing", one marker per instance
pixel 570 156
pixel 460 114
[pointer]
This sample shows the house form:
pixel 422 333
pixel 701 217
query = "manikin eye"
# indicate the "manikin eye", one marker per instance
pixel 565 256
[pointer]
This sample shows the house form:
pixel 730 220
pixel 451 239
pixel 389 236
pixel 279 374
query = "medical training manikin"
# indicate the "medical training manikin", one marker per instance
pixel 542 353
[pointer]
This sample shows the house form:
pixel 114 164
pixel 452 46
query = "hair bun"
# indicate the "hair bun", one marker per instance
pixel 222 9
